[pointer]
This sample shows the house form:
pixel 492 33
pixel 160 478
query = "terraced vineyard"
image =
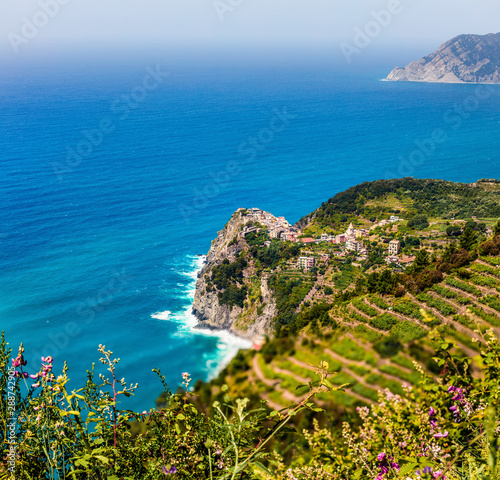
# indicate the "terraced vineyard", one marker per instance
pixel 366 350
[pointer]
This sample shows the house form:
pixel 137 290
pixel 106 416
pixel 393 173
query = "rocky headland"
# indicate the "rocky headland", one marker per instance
pixel 464 59
pixel 252 320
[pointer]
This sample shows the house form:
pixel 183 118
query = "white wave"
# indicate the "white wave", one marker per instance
pixel 162 315
pixel 227 345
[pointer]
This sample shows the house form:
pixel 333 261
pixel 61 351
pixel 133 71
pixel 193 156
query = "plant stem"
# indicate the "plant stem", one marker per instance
pixel 210 463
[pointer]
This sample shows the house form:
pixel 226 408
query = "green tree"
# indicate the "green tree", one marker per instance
pixel 386 282
pixel 450 250
pixel 496 228
pixel 453 230
pixel 471 224
pixel 468 239
pixel 422 260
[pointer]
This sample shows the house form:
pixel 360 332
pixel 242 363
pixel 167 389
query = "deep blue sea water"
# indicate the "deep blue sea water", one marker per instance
pixel 103 250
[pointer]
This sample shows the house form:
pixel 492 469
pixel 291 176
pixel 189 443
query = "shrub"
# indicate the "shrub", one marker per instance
pixel 418 222
pixel 406 332
pixel 445 308
pixel 384 321
pixel 453 282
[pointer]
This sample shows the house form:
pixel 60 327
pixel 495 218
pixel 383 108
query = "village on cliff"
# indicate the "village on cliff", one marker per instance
pixel 353 242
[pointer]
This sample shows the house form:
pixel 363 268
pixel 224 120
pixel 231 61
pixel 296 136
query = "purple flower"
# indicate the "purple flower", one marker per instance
pixel 441 435
pixel 453 408
pixel 395 466
pixel 439 474
pixel 172 469
pixel 432 412
pixel 427 470
pixel 381 456
pixel 451 388
pixel 433 423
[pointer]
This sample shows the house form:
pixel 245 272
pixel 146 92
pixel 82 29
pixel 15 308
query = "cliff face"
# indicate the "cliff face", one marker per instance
pixel 252 321
pixel 464 59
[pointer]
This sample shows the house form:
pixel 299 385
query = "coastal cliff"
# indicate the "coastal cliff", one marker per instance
pixel 464 59
pixel 249 318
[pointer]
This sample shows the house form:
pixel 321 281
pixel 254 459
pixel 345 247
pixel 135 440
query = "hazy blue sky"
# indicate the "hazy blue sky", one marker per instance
pixel 173 24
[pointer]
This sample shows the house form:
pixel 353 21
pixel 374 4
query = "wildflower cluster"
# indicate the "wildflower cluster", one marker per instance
pixel 386 463
pixel 19 361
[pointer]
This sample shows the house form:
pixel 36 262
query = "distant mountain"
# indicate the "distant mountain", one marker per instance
pixel 464 59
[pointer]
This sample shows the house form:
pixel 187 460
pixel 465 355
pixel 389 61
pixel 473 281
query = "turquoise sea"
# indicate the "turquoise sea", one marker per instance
pixel 115 176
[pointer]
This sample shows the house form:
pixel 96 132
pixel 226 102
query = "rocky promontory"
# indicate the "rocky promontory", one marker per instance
pixel 464 59
pixel 248 319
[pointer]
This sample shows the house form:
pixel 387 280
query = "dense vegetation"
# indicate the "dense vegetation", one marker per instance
pixel 227 278
pixel 437 198
pixel 276 253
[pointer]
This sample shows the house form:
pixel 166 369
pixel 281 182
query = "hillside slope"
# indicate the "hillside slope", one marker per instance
pixel 464 59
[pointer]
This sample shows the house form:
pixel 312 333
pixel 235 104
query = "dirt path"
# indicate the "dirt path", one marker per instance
pixel 486 308
pixel 462 310
pixel 275 384
pixel 364 365
pixel 459 327
pixel 296 377
pixel 260 374
pixel 486 274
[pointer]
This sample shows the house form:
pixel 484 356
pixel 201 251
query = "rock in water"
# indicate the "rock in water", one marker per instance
pixel 464 59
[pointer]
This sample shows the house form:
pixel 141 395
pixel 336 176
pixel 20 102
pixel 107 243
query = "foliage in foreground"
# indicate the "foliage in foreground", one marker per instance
pixel 443 428
pixel 48 432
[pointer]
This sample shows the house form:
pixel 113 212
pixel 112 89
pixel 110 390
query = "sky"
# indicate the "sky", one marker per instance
pixel 416 26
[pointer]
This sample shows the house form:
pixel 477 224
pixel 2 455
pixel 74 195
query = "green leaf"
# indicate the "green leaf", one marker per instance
pixel 357 474
pixel 407 468
pixel 180 417
pixel 262 468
